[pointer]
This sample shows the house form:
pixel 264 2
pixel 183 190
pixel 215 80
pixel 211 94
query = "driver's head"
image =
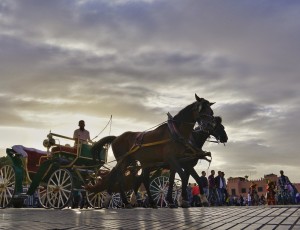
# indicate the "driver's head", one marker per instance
pixel 81 124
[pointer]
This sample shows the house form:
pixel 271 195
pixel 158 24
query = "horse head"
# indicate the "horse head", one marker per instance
pixel 219 131
pixel 204 114
pixel 214 128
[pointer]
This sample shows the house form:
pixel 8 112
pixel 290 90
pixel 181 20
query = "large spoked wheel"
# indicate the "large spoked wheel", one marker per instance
pixel 7 185
pixel 59 188
pixel 96 200
pixel 159 189
pixel 42 197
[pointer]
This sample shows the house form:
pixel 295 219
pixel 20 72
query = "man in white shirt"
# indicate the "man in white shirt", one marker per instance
pixel 81 134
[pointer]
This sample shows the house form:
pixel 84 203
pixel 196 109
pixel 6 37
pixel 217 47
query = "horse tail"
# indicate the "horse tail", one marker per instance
pixel 98 146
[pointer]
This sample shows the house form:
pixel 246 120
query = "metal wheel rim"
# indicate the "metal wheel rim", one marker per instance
pixel 42 197
pixel 159 189
pixel 96 200
pixel 59 188
pixel 7 185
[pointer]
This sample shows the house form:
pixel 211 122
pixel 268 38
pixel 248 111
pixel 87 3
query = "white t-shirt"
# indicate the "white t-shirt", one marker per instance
pixel 82 135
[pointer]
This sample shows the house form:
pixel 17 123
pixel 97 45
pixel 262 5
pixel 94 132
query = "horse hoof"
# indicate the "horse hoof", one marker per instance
pixel 154 206
pixel 205 204
pixel 128 206
pixel 172 206
pixel 106 202
pixel 185 204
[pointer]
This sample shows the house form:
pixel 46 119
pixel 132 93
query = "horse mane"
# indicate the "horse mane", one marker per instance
pixel 182 113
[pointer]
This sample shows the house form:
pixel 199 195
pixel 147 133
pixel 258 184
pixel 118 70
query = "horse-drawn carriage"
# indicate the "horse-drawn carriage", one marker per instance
pixel 54 174
pixel 61 170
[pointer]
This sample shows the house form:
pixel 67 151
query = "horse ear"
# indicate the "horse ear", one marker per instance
pixel 198 98
pixel 211 103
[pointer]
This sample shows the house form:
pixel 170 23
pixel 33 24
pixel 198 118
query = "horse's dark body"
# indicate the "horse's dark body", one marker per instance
pixel 199 138
pixel 167 151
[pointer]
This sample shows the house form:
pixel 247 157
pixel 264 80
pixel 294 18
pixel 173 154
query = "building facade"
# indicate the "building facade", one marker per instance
pixel 237 186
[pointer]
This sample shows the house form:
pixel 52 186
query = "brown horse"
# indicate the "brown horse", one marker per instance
pixel 157 146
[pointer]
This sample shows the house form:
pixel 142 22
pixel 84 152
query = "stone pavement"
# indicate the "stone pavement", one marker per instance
pixel 276 217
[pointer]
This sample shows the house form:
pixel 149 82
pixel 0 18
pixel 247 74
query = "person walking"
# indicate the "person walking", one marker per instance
pixel 212 196
pixel 189 193
pixel 219 187
pixel 196 196
pixel 204 183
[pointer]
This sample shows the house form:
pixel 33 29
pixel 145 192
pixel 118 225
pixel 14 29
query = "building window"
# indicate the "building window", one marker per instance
pixel 233 192
pixel 244 190
pixel 260 189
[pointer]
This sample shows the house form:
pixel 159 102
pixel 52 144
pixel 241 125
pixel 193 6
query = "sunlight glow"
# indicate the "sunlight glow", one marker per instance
pixel 79 46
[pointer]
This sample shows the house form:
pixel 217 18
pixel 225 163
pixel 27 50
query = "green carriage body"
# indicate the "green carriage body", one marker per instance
pixel 77 161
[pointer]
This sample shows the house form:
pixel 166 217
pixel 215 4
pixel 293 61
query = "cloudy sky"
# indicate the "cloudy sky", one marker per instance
pixel 65 60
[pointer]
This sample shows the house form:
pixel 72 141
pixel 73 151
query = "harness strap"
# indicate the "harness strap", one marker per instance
pixel 136 147
pixel 176 136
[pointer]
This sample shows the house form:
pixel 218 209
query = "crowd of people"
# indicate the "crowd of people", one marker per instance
pixel 215 189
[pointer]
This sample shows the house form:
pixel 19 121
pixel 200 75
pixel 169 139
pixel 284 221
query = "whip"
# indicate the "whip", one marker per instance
pixel 109 122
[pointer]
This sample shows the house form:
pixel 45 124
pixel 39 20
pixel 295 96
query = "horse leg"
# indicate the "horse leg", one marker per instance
pixel 116 177
pixel 112 180
pixel 174 165
pixel 195 175
pixel 146 182
pixel 124 197
pixel 136 185
pixel 121 180
pixel 170 189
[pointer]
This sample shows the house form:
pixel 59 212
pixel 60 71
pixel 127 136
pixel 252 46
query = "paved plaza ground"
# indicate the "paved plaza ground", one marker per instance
pixel 275 217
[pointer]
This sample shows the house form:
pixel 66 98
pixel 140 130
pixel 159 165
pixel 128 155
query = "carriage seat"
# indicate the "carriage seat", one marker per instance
pixel 33 156
pixel 67 149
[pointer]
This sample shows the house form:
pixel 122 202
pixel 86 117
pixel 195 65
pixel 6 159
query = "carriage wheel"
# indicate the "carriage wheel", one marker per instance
pixel 42 197
pixel 159 189
pixel 7 185
pixel 95 199
pixel 59 188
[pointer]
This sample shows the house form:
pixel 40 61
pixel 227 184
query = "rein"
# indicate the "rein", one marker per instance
pixel 136 147
pixel 109 121
pixel 176 136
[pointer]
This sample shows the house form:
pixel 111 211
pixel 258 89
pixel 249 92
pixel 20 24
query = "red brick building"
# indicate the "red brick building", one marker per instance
pixel 237 186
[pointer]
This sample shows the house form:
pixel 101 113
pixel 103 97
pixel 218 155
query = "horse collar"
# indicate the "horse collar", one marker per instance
pixel 177 137
pixel 175 134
